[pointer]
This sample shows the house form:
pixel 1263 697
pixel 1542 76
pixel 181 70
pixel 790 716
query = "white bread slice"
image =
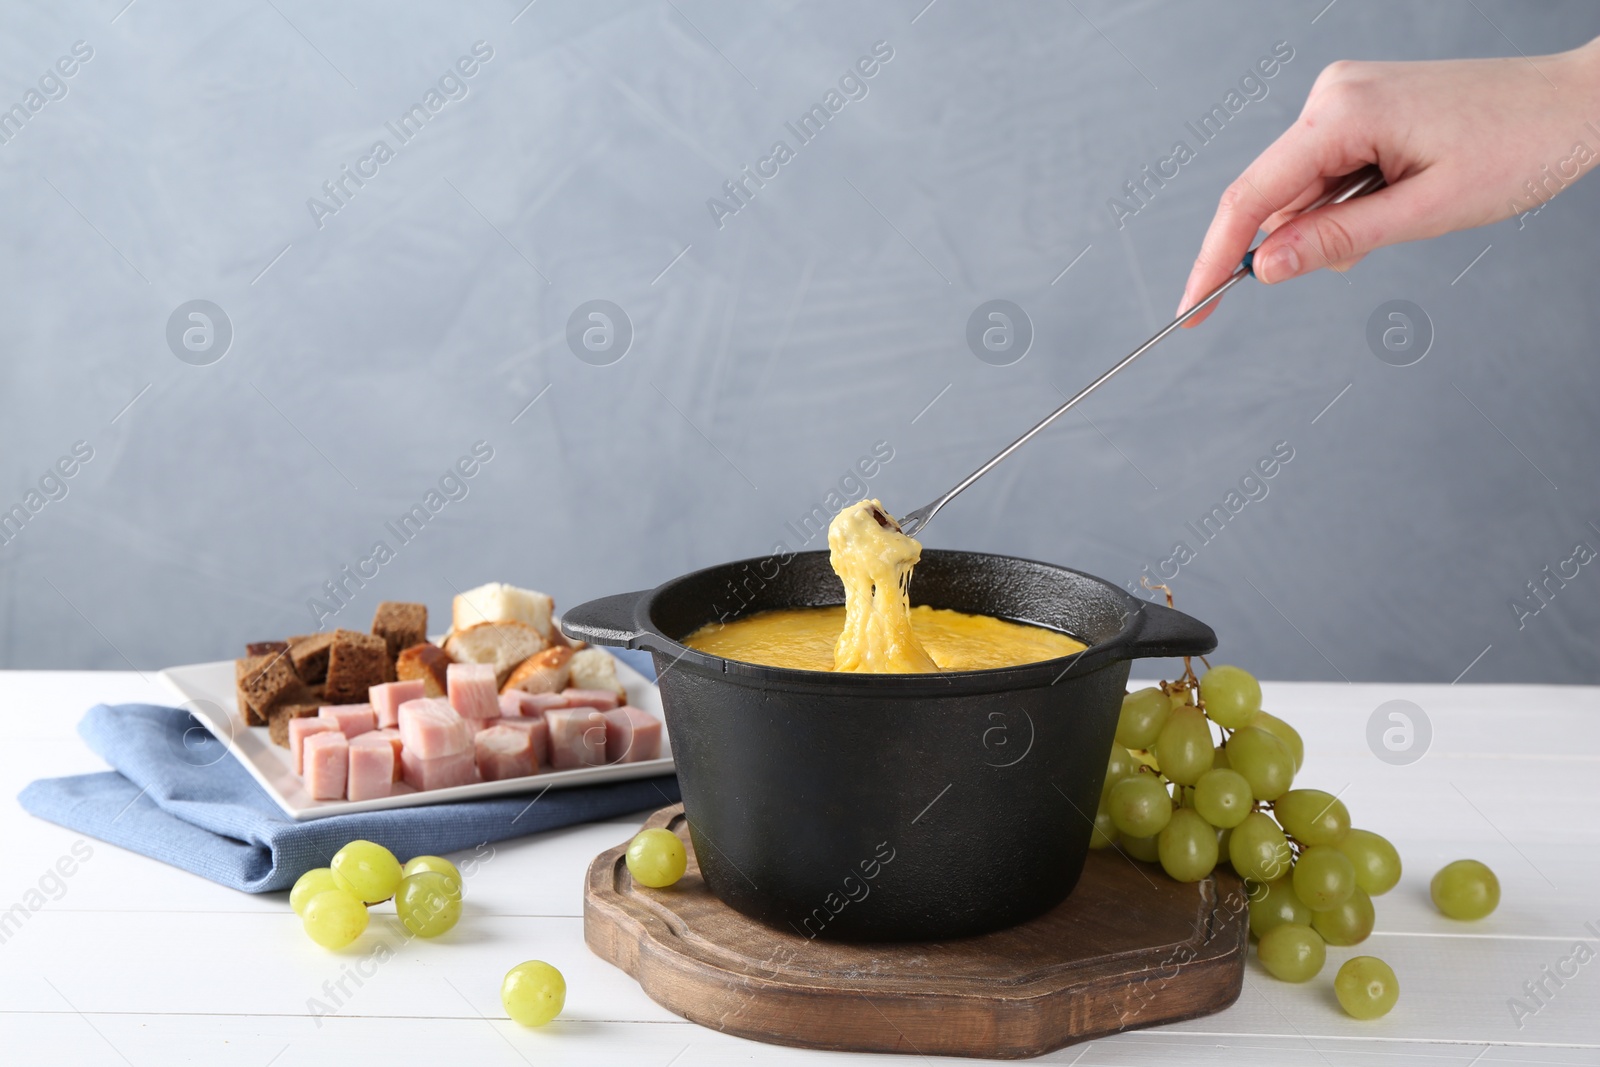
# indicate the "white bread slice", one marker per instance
pixel 593 668
pixel 504 644
pixel 543 672
pixel 498 602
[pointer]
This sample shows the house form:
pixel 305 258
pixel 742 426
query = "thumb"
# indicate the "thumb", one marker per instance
pixel 1340 234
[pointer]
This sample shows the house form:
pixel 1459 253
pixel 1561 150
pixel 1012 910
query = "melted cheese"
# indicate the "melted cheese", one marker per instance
pixel 877 630
pixel 874 562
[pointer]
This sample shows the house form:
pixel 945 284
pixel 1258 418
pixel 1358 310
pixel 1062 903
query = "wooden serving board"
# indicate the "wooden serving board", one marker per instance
pixel 1130 948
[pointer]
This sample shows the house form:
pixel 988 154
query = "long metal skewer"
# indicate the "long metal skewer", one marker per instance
pixel 1363 181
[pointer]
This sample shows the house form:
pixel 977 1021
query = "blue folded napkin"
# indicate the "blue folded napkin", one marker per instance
pixel 177 795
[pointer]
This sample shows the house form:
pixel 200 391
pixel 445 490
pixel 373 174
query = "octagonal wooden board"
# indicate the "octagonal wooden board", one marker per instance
pixel 1130 948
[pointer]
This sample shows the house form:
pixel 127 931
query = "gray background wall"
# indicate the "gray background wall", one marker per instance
pixel 370 353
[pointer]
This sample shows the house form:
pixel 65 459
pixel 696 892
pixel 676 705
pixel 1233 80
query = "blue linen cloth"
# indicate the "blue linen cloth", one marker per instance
pixel 177 795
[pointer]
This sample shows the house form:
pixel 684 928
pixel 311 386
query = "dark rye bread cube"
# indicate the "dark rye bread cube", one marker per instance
pixel 310 655
pixel 356 662
pixel 265 648
pixel 278 719
pixel 265 683
pixel 400 625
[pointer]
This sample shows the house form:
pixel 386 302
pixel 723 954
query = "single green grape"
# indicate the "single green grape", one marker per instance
pixel 1220 759
pixel 1223 837
pixel 428 903
pixel 1283 732
pixel 1376 861
pixel 1104 834
pixel 533 993
pixel 1292 952
pixel 1312 817
pixel 1366 987
pixel 366 870
pixel 1140 806
pixel 1263 760
pixel 1184 749
pixel 1120 764
pixel 1347 924
pixel 1323 877
pixel 1187 846
pixel 1258 850
pixel 317 880
pixel 437 864
pixel 656 858
pixel 1143 714
pixel 334 918
pixel 1232 696
pixel 1273 904
pixel 1465 889
pixel 1222 797
pixel 1179 698
pixel 1143 849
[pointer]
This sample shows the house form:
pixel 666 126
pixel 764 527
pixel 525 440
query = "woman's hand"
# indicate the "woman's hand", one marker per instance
pixel 1461 143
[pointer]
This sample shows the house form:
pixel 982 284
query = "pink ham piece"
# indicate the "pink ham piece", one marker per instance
pixel 504 752
pixel 473 692
pixel 530 705
pixel 632 735
pixel 430 729
pixel 577 737
pixel 599 699
pixel 387 698
pixel 372 760
pixel 538 732
pixel 299 730
pixel 353 720
pixel 327 760
pixel 391 735
pixel 460 768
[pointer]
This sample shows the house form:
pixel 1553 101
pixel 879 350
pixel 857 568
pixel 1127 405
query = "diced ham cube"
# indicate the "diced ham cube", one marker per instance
pixel 473 691
pixel 391 735
pixel 577 737
pixel 353 720
pixel 299 730
pixel 632 735
pixel 530 705
pixel 460 768
pixel 387 698
pixel 400 789
pixel 327 760
pixel 504 752
pixel 599 699
pixel 538 732
pixel 430 729
pixel 372 763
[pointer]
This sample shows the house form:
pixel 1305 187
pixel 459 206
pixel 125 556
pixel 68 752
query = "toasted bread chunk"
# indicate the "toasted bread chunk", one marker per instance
pixel 265 648
pixel 542 672
pixel 264 683
pixel 593 668
pixel 425 663
pixel 498 602
pixel 503 644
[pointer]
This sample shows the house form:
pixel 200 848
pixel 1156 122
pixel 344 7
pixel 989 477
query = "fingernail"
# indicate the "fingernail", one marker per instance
pixel 1281 263
pixel 1183 304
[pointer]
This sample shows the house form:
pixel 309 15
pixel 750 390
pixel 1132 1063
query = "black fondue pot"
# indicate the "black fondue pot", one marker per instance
pixel 892 806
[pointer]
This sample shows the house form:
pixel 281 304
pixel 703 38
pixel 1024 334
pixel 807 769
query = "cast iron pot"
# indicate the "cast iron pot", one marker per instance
pixel 892 807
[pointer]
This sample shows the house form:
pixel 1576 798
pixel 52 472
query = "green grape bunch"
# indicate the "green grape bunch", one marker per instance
pixel 1200 775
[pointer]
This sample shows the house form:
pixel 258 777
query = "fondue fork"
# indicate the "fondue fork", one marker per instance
pixel 1365 180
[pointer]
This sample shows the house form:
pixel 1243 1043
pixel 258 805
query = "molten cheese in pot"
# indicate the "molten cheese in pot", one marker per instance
pixel 876 631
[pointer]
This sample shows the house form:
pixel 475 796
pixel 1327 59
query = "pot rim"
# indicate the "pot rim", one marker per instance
pixel 1148 629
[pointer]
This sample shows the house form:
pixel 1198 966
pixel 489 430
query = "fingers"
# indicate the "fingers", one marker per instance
pixel 1339 235
pixel 1277 178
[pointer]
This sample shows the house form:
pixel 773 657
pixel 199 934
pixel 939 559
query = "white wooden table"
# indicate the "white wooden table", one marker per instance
pixel 139 963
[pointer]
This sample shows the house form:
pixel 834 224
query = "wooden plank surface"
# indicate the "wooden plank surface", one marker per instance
pixel 139 963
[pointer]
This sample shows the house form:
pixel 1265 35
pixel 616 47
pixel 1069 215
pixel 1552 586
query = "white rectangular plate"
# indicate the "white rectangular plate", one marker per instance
pixel 207 692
